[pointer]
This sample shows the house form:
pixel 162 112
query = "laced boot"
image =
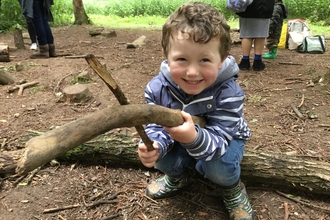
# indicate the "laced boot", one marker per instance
pixel 43 52
pixel 271 54
pixel 237 203
pixel 165 186
pixel 52 52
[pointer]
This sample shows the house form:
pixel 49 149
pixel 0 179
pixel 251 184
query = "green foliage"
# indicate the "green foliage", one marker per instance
pixel 315 11
pixel 10 15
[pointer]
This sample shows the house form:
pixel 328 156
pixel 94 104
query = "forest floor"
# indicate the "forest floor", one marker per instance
pixel 302 80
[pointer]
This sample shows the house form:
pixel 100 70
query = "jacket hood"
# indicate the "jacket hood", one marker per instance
pixel 229 69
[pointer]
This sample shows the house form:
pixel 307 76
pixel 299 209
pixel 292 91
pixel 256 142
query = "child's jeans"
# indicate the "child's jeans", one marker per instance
pixel 224 171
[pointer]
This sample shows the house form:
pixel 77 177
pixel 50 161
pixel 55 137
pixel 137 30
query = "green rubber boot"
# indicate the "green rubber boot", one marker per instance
pixel 237 203
pixel 271 54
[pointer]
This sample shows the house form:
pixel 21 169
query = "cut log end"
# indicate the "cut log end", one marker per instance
pixel 77 93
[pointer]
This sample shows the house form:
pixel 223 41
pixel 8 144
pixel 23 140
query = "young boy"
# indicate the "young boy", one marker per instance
pixel 198 77
pixel 275 28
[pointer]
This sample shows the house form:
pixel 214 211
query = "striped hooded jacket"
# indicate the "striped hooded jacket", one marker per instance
pixel 221 105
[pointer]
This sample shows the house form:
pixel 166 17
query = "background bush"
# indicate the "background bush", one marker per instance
pixel 10 12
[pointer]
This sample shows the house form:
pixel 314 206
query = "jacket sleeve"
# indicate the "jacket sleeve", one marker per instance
pixel 223 124
pixel 276 18
pixel 155 132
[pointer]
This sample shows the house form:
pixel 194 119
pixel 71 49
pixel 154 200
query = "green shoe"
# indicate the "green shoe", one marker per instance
pixel 271 54
pixel 237 203
pixel 165 186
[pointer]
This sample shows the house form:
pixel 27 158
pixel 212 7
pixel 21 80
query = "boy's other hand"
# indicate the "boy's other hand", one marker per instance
pixel 185 133
pixel 148 158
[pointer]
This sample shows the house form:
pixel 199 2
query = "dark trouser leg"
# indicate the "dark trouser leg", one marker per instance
pixel 30 28
pixel 42 28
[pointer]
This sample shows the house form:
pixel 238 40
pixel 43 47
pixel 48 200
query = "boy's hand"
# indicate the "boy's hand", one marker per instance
pixel 185 133
pixel 148 158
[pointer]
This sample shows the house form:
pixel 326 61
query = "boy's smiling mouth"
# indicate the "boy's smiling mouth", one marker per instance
pixel 193 82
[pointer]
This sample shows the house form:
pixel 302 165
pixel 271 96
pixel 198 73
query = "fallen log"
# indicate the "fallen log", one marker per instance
pixel 295 173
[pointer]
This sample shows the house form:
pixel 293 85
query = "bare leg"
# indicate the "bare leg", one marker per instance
pixel 246 46
pixel 259 44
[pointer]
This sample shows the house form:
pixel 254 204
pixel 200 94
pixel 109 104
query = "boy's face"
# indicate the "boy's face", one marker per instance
pixel 193 66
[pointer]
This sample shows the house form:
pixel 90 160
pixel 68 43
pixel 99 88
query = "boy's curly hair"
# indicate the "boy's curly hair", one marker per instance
pixel 201 22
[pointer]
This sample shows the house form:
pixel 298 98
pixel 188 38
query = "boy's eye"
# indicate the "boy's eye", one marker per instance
pixel 181 59
pixel 205 60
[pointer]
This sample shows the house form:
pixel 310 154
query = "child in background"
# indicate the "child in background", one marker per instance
pixel 199 78
pixel 280 12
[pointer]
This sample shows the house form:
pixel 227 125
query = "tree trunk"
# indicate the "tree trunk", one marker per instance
pixel 18 39
pixel 80 15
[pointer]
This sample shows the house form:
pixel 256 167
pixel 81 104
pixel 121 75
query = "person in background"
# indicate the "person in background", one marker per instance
pixel 31 31
pixel 40 13
pixel 280 12
pixel 254 28
pixel 199 78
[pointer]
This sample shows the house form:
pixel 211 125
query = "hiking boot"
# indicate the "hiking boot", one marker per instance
pixel 271 54
pixel 52 52
pixel 33 46
pixel 43 52
pixel 237 203
pixel 244 65
pixel 258 65
pixel 165 186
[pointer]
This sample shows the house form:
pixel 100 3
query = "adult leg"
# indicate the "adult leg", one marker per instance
pixel 48 31
pixel 31 31
pixel 40 31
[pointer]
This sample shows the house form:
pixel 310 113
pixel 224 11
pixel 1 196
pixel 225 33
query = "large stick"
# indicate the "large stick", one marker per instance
pixel 116 90
pixel 54 143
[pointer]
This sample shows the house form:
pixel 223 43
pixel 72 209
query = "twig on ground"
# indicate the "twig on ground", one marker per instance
pixel 286 211
pixel 22 87
pixel 79 56
pixel 302 101
pixel 326 210
pixel 290 63
pixel 110 217
pixel 51 210
pixel 32 174
pixel 101 202
pixel 61 217
pixel 324 125
pixel 295 109
pixel 59 82
pixel 284 89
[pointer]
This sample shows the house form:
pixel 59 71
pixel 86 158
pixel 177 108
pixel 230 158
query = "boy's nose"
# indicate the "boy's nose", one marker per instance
pixel 192 71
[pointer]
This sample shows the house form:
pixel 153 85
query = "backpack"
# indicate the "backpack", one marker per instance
pixel 238 5
pixel 312 44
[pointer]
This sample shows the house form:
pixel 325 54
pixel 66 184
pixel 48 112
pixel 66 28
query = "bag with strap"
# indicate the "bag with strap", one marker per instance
pixel 312 44
pixel 238 5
